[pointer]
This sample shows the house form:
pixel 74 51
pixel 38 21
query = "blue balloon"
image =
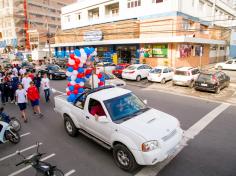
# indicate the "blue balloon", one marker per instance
pixel 71 88
pixel 87 50
pixel 70 69
pixel 71 98
pixel 92 58
pixel 77 80
pixel 80 70
pixel 102 79
pixel 77 53
pixel 81 90
pixel 69 78
pixel 92 50
pixel 88 75
pixel 83 79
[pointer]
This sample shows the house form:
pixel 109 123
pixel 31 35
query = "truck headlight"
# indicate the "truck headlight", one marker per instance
pixel 149 146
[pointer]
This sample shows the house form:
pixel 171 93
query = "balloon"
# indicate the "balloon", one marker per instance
pixel 76 66
pixel 67 89
pixel 76 91
pixel 68 93
pixel 73 77
pixel 68 73
pixel 77 80
pixel 81 84
pixel 81 65
pixel 72 56
pixel 77 61
pixel 81 90
pixel 101 83
pixel 70 69
pixel 71 98
pixel 88 75
pixel 68 78
pixel 72 83
pixel 88 71
pixel 87 50
pixel 99 75
pixel 75 72
pixel 77 86
pixel 92 50
pixel 77 53
pixel 80 75
pixel 102 79
pixel 94 53
pixel 71 88
pixel 81 70
pixel 71 62
pixel 68 65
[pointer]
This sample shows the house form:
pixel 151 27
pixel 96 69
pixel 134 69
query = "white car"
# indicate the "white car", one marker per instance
pixel 228 65
pixel 136 72
pixel 119 121
pixel 105 67
pixel 185 76
pixel 161 74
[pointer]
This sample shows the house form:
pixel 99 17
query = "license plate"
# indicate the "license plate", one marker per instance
pixel 205 85
pixel 63 75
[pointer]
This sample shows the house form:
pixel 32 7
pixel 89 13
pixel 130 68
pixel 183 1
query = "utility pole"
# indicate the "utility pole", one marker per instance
pixel 213 13
pixel 48 36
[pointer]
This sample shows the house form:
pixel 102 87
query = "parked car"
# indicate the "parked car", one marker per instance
pixel 110 79
pixel 228 65
pixel 53 72
pixel 185 76
pixel 160 74
pixel 106 67
pixel 119 69
pixel 136 72
pixel 212 81
pixel 28 66
pixel 135 133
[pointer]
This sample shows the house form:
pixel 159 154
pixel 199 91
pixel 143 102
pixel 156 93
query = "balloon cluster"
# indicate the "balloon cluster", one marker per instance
pixel 77 73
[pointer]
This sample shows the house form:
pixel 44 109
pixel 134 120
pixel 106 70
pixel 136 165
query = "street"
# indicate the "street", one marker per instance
pixel 210 148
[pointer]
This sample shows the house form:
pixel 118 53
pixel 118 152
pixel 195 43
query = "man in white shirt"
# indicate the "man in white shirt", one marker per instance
pixel 15 71
pixel 46 87
pixel 26 81
pixel 22 71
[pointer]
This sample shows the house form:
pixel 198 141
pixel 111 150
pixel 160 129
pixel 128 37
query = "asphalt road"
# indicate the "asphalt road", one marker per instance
pixel 211 153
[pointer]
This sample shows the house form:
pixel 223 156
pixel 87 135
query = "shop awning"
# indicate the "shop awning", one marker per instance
pixel 175 39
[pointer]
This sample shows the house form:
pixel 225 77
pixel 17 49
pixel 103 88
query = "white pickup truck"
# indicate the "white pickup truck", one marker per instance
pixel 118 120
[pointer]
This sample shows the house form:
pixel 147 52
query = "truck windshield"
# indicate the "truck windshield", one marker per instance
pixel 124 107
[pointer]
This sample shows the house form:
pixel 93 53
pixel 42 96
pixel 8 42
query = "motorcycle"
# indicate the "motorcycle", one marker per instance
pixel 7 133
pixel 12 121
pixel 41 167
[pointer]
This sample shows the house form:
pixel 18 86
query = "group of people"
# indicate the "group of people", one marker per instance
pixel 19 86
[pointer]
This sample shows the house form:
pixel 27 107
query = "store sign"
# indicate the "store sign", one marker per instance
pixel 93 36
pixel 160 50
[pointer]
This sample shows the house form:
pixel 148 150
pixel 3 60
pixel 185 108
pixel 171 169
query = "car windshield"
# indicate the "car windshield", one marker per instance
pixel 132 67
pixel 108 76
pixel 124 107
pixel 204 77
pixel 183 73
pixel 156 70
pixel 54 68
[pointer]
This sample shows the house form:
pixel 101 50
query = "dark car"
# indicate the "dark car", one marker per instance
pixel 212 81
pixel 28 66
pixel 53 72
pixel 119 69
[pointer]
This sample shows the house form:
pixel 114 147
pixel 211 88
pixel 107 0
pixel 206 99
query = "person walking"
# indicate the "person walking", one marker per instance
pixel 46 87
pixel 37 81
pixel 33 96
pixel 26 81
pixel 15 82
pixel 21 101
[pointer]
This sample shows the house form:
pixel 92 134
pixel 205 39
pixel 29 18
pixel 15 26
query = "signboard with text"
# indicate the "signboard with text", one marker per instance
pixel 93 36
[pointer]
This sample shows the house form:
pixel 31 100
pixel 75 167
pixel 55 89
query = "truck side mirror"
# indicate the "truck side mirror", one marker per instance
pixel 103 119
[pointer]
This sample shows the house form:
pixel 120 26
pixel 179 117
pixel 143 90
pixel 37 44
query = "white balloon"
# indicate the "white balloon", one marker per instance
pixel 73 77
pixel 81 65
pixel 71 62
pixel 94 53
pixel 67 89
pixel 83 56
pixel 75 72
pixel 72 83
pixel 68 73
pixel 81 84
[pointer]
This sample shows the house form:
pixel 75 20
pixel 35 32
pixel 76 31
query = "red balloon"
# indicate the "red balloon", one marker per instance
pixel 68 93
pixel 77 86
pixel 99 75
pixel 101 83
pixel 75 67
pixel 69 84
pixel 88 71
pixel 72 56
pixel 76 91
pixel 77 61
pixel 80 75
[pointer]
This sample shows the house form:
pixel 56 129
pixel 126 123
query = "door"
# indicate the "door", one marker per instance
pixel 228 65
pixel 101 130
pixel 77 111
pixel 166 74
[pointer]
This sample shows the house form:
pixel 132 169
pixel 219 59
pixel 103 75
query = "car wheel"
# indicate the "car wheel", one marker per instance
pixel 191 84
pixel 219 68
pixel 217 90
pixel 70 126
pixel 163 81
pixel 124 159
pixel 138 78
pixel 50 77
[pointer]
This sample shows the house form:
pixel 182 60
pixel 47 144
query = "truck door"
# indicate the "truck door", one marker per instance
pixel 99 129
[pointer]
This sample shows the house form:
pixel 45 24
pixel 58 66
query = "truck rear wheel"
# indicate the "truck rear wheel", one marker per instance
pixel 70 126
pixel 124 159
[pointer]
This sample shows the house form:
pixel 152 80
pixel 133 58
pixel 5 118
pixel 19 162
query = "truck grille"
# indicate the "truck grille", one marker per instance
pixel 170 135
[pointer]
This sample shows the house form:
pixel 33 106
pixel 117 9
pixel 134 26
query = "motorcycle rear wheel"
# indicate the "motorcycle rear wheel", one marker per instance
pixel 57 172
pixel 13 138
pixel 15 123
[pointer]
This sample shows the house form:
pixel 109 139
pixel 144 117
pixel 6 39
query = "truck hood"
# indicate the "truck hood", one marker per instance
pixel 152 125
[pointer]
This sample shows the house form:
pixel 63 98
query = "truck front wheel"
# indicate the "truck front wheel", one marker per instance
pixel 70 126
pixel 124 159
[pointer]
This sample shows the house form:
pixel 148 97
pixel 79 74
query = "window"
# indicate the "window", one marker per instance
pixel 95 108
pixel 229 62
pixel 78 16
pixel 165 70
pixel 195 71
pixel 134 3
pixel 222 48
pixel 67 18
pixel 115 12
pixel 157 1
pixel 201 6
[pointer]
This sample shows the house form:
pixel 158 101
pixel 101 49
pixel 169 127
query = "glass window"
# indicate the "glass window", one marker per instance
pixel 195 71
pixel 156 70
pixel 133 3
pixel 229 62
pixel 131 67
pixel 165 70
pixel 183 73
pixel 157 1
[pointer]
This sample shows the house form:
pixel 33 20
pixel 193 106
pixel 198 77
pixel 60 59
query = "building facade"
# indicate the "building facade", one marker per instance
pixel 19 17
pixel 170 32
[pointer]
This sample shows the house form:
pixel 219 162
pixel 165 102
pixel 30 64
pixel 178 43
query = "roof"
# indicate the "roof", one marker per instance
pixel 184 68
pixel 161 67
pixel 106 94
